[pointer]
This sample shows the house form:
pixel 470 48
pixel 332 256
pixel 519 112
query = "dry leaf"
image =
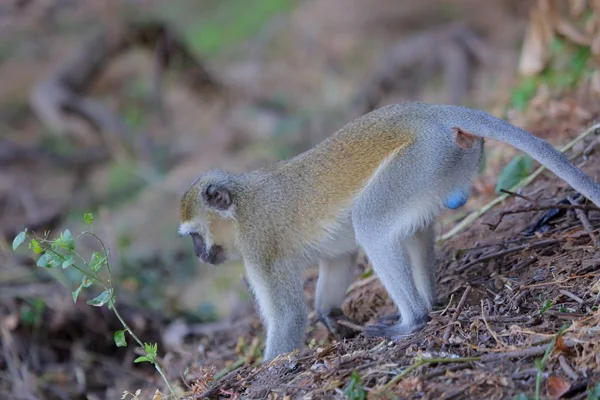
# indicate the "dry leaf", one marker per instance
pixel 157 395
pixel 538 36
pixel 556 387
pixel 560 345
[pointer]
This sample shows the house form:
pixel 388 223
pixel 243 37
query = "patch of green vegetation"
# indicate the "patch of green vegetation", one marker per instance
pixel 32 311
pixel 524 91
pixel 354 389
pixel 569 64
pixel 546 304
pixel 224 23
pixel 60 254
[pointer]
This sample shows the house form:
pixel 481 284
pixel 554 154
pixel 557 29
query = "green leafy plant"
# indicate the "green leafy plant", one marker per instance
pixel 515 171
pixel 354 389
pixel 96 271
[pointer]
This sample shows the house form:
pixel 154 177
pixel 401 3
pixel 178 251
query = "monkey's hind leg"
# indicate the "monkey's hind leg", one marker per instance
pixel 391 261
pixel 335 275
pixel 421 251
pixel 280 295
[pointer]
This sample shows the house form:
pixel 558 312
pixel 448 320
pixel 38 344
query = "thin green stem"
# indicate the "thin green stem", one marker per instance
pixel 137 339
pixel 544 360
pixel 104 249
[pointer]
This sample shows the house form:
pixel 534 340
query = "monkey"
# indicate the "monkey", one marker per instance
pixel 377 184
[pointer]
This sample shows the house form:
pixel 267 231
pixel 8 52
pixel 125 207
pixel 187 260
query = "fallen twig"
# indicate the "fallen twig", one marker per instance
pixel 564 364
pixel 504 252
pixel 456 313
pixel 576 207
pixel 522 353
pixel 490 330
pixel 571 296
pixel 424 361
pixel 558 282
pixel 584 221
pixel 515 194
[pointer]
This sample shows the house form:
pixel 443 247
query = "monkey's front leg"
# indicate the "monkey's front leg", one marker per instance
pixel 279 292
pixel 335 275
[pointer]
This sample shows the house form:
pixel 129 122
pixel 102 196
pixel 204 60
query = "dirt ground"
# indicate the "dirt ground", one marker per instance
pixel 508 283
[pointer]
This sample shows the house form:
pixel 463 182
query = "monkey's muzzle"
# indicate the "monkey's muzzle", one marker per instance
pixel 215 255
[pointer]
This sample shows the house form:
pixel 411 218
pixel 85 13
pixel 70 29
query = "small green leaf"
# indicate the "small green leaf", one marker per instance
pixel 119 337
pixel 101 299
pixel 19 239
pixel 594 393
pixel 88 218
pixel 354 389
pixel 68 262
pixel 539 364
pixel 515 171
pixel 76 293
pixel 97 262
pixel 521 396
pixel 545 307
pixel 151 349
pixel 141 359
pixel 36 246
pixel 67 240
pixel 44 261
pixel 53 259
pixel 86 281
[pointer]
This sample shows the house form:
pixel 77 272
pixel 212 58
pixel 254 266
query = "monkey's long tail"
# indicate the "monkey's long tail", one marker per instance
pixel 483 124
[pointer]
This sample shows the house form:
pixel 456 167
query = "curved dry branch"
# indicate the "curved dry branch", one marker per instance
pixel 63 93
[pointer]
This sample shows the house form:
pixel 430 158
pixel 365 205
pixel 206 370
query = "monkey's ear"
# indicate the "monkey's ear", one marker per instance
pixel 218 197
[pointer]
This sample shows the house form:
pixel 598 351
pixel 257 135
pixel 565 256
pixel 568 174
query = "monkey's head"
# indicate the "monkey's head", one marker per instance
pixel 208 217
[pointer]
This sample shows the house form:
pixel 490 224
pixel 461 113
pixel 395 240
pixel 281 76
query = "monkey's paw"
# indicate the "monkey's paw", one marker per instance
pixel 330 320
pixel 385 327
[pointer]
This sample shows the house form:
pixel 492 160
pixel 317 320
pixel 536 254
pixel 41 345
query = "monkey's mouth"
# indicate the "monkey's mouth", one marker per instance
pixel 215 255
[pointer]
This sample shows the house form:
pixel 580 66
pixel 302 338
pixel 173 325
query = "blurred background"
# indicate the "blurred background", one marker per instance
pixel 114 106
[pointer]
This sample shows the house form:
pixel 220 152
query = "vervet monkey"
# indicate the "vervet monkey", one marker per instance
pixel 377 184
